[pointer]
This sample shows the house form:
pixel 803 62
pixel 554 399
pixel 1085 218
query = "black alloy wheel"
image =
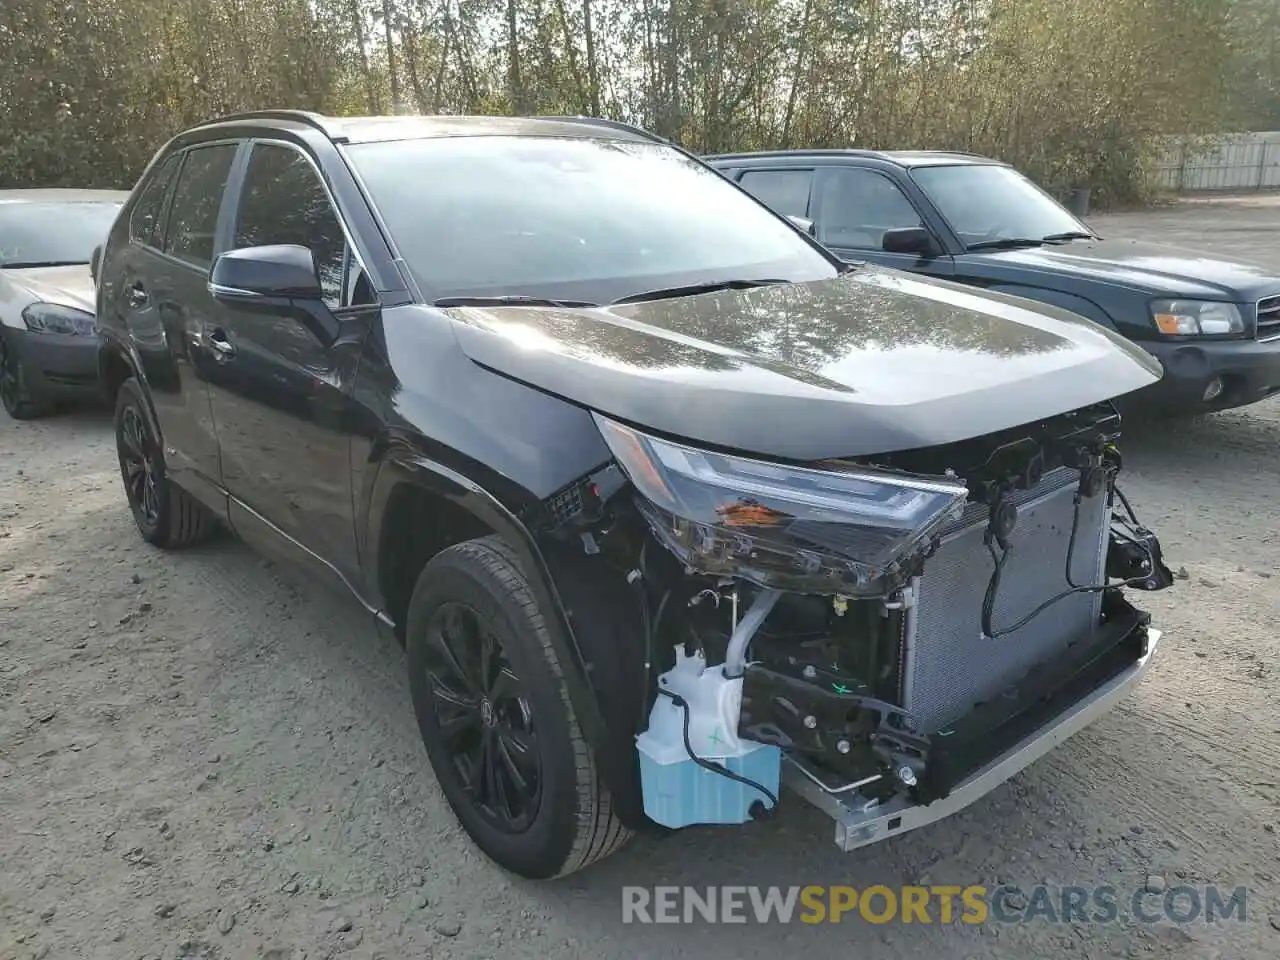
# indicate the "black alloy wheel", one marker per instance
pixel 167 516
pixel 484 717
pixel 139 467
pixel 497 719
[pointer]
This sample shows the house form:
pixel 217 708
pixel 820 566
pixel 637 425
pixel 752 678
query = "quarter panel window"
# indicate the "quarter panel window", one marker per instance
pixel 193 216
pixel 857 206
pixel 284 202
pixel 145 223
pixel 786 191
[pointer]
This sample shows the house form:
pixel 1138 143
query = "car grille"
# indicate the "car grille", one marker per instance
pixel 1269 318
pixel 948 667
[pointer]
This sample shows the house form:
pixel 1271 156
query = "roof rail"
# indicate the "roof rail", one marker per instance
pixel 607 124
pixel 308 117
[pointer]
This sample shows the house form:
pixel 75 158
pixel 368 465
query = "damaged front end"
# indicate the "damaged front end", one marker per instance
pixel 890 637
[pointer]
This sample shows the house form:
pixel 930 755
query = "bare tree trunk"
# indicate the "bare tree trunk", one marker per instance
pixel 388 16
pixel 593 73
pixel 802 44
pixel 674 114
pixel 571 52
pixel 409 40
pixel 437 93
pixel 514 80
pixel 357 24
pixel 464 62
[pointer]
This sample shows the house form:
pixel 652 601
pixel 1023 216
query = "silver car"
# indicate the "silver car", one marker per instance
pixel 48 338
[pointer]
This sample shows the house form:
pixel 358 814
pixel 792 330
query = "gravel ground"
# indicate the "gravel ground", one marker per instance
pixel 205 756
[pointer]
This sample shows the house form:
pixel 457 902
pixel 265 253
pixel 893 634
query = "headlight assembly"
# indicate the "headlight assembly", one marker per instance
pixel 852 532
pixel 1196 317
pixel 56 318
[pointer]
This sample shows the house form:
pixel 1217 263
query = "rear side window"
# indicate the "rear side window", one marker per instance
pixel 786 191
pixel 193 215
pixel 284 201
pixel 145 223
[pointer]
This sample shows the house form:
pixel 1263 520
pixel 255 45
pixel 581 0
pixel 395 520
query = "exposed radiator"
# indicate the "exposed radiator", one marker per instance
pixel 947 666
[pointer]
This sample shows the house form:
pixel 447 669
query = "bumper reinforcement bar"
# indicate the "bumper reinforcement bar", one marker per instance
pixel 860 822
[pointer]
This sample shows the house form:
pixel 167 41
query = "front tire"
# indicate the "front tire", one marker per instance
pixel 496 719
pixel 15 393
pixel 166 515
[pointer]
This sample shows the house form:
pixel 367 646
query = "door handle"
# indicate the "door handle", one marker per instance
pixel 136 296
pixel 221 345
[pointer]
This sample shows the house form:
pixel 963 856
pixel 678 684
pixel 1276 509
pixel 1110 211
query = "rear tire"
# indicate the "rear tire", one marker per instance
pixel 167 516
pixel 542 764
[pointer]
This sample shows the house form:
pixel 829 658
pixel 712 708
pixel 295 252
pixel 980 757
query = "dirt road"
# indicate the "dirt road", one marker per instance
pixel 204 756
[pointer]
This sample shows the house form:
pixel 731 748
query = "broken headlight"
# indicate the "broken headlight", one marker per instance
pixel 854 532
pixel 57 318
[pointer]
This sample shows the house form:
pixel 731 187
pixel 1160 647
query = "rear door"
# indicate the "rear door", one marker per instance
pixel 163 298
pixel 281 391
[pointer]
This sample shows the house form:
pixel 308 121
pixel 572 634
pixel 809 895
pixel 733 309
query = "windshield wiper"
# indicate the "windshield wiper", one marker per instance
pixel 1005 243
pixel 509 301
pixel 1068 235
pixel 30 264
pixel 691 289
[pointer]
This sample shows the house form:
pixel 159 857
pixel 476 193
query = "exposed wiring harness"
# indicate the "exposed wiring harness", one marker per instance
pixel 649 627
pixel 1003 516
pixel 680 702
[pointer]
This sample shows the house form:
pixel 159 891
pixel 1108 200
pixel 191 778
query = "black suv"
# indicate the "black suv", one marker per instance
pixel 668 505
pixel 1214 324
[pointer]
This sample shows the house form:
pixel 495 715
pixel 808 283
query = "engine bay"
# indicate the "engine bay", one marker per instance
pixel 774 632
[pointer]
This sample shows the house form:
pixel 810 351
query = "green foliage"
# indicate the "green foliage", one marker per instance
pixel 1073 91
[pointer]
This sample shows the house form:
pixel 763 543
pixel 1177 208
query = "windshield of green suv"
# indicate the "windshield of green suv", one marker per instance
pixel 572 219
pixel 38 233
pixel 989 205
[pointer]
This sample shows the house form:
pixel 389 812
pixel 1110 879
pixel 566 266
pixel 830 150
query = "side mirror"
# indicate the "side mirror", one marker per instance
pixel 909 240
pixel 279 279
pixel 281 272
pixel 95 261
pixel 801 222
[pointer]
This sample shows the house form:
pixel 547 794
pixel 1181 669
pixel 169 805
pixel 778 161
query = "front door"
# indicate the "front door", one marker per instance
pixel 854 206
pixel 281 393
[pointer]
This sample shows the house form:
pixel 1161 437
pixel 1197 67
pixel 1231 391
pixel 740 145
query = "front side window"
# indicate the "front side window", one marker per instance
pixel 49 233
pixel 585 219
pixel 193 215
pixel 787 191
pixel 284 202
pixel 985 203
pixel 145 225
pixel 857 206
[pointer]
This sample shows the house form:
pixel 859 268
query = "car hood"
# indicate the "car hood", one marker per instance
pixel 869 362
pixel 1149 267
pixel 70 286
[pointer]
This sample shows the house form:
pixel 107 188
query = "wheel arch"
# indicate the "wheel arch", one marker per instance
pixel 410 489
pixel 117 362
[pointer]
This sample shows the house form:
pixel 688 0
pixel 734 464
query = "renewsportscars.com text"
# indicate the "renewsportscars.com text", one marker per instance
pixel 943 904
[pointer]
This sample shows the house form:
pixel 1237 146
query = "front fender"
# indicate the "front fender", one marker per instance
pixel 1056 298
pixel 550 574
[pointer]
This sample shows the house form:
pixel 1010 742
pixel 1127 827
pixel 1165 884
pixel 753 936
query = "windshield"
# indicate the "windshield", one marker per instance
pixel 985 203
pixel 572 219
pixel 48 232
